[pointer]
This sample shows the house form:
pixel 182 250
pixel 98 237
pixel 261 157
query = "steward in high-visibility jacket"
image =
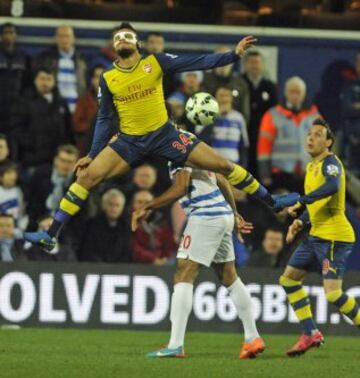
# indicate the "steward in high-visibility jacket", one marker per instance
pixel 282 134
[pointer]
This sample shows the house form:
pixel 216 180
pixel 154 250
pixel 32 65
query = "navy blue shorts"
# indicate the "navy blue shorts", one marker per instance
pixel 322 256
pixel 167 142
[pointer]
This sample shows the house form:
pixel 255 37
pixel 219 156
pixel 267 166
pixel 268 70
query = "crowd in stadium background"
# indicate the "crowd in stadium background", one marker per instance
pixel 47 109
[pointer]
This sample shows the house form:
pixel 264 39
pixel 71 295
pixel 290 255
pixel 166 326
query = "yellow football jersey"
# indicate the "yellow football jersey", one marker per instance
pixel 327 215
pixel 137 92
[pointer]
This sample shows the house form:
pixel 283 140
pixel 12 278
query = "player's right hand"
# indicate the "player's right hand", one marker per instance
pixel 136 216
pixel 82 163
pixel 242 226
pixel 293 230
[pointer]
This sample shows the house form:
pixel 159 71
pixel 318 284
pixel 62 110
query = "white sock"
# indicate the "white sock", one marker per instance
pixel 181 305
pixel 242 301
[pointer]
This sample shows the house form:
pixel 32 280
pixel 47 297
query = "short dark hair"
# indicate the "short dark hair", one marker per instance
pixel 7 166
pixel 7 25
pixel 252 53
pixel 224 86
pixel 146 165
pixel 153 34
pixel 123 25
pixel 42 218
pixel 275 228
pixel 329 133
pixel 5 215
pixel 67 148
pixel 44 69
pixel 94 68
pixel 3 137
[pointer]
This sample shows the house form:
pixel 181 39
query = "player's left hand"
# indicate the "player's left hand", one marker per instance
pixel 293 210
pixel 136 216
pixel 245 44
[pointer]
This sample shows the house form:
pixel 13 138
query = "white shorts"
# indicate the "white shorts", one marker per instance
pixel 208 240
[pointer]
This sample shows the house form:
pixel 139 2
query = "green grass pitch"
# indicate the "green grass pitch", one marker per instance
pixel 67 353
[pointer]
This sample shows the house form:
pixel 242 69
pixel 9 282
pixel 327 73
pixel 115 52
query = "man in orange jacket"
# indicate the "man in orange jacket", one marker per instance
pixel 281 154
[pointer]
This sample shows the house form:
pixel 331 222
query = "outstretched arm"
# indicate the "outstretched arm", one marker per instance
pixel 177 190
pixel 331 170
pixel 181 63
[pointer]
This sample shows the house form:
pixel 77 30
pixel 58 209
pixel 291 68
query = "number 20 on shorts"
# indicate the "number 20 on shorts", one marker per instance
pixel 186 241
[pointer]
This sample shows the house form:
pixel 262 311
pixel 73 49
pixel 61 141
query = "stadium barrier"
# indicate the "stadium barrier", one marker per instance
pixel 138 297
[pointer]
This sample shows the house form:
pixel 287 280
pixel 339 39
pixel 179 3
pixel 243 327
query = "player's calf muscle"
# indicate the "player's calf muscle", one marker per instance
pixel 331 285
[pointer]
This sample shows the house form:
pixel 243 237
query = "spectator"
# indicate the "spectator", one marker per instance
pixel 153 241
pixel 147 177
pixel 176 105
pixel 144 178
pixel 61 252
pixel 14 73
pixel 4 148
pixel 350 99
pixel 85 112
pixel 271 248
pixel 230 136
pixel 40 122
pixel 281 147
pixel 191 82
pixel 155 44
pixel 263 95
pixel 107 55
pixel 226 76
pixel 107 238
pixel 68 64
pixel 49 183
pixel 11 196
pixel 11 249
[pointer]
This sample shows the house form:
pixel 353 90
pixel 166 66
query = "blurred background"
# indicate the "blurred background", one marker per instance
pixel 306 64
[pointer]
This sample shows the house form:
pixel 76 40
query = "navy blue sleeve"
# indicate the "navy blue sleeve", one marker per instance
pixel 304 217
pixel 181 63
pixel 331 169
pixel 103 119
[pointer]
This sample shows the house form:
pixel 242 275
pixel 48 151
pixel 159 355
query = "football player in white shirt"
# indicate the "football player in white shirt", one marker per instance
pixel 208 202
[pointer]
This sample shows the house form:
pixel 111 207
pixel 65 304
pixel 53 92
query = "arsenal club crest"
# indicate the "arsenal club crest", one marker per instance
pixel 147 68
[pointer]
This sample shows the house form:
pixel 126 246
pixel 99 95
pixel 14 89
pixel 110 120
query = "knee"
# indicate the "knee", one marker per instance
pixel 228 276
pixel 333 295
pixel 225 167
pixel 187 272
pixel 285 281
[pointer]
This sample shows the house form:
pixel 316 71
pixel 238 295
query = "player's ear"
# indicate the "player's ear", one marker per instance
pixel 329 143
pixel 139 45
